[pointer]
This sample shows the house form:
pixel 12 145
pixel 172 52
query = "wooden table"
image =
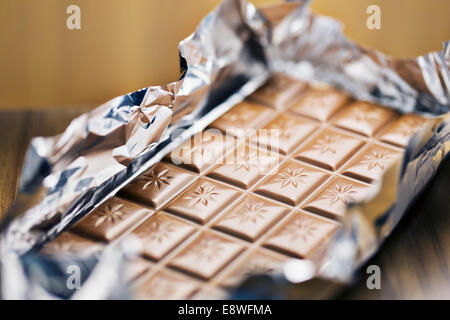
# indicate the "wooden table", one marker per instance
pixel 414 261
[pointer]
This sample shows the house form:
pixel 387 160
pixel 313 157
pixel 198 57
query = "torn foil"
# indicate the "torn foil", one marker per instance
pixel 104 149
pixel 67 176
pixel 230 54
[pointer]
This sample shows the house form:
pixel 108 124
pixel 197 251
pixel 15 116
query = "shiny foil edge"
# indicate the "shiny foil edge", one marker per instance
pixel 216 76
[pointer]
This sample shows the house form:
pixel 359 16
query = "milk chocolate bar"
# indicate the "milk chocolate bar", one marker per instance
pixel 232 202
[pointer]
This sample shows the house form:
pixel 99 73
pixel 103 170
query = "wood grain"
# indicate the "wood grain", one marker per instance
pixel 414 260
pixel 16 130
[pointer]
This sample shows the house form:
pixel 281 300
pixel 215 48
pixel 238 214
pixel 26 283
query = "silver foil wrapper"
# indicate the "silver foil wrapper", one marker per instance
pixel 232 52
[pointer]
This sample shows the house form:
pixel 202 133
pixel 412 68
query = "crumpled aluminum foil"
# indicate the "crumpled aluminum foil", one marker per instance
pixel 231 53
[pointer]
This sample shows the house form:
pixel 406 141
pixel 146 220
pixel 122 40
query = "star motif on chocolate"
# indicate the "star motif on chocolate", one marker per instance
pixel 327 144
pixel 238 115
pixel 207 249
pixel 340 193
pixel 110 213
pixel 252 211
pixel 284 134
pixel 157 231
pixel 376 159
pixel 245 161
pixel 301 229
pixel 408 127
pixel 154 178
pixel 161 288
pixel 202 195
pixel 323 101
pixel 283 128
pixel 365 113
pixel 292 177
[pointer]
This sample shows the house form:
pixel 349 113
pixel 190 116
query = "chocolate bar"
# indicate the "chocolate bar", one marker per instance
pixel 267 182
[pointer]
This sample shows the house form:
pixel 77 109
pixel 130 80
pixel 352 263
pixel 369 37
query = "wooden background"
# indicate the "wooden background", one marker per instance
pixel 126 45
pixel 414 261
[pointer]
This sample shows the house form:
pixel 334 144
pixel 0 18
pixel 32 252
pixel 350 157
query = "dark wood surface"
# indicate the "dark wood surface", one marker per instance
pixel 414 261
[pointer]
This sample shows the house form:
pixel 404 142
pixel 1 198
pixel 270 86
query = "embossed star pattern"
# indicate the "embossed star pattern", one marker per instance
pixel 154 178
pixel 376 159
pixel 327 144
pixel 344 194
pixel 238 115
pixel 245 161
pixel 292 177
pixel 208 249
pixel 158 231
pixel 301 229
pixel 365 114
pixel 407 127
pixel 202 195
pixel 252 211
pixel 110 213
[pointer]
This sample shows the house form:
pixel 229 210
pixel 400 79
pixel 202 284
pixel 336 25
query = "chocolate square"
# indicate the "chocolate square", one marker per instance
pixel 111 219
pixel 206 255
pixel 245 166
pixel 279 92
pixel 372 162
pixel 332 199
pixel 330 149
pixel 166 285
pixel 251 217
pixel 157 185
pixel 364 118
pixel 400 131
pixel 202 200
pixel 301 234
pixel 292 182
pixel 161 233
pixel 320 103
pixel 290 132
